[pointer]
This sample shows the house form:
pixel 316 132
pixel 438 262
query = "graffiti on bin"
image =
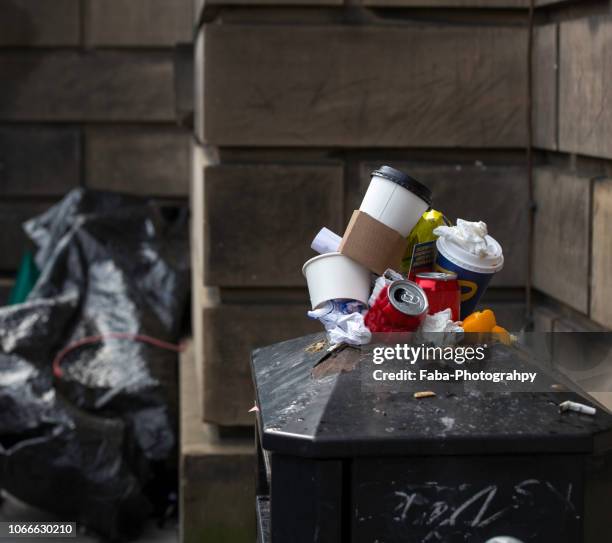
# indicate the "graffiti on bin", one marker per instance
pixel 474 509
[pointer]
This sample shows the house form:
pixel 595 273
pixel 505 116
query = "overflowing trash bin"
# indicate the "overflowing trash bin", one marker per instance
pixel 400 265
pixel 344 457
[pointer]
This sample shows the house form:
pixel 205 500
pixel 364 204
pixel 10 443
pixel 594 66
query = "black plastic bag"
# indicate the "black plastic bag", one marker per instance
pixel 131 267
pixel 111 414
pixel 52 455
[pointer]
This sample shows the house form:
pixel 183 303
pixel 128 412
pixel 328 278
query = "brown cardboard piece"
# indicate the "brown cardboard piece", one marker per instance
pixel 372 243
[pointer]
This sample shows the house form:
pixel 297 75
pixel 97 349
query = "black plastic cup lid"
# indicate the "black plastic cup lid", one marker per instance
pixel 404 180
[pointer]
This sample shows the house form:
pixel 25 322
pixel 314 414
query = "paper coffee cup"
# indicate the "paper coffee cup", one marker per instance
pixel 396 199
pixel 473 272
pixel 333 276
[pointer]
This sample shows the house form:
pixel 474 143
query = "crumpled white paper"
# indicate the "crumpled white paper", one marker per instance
pixel 341 325
pixel 350 329
pixel 440 329
pixel 471 236
pixel 326 241
pixel 385 279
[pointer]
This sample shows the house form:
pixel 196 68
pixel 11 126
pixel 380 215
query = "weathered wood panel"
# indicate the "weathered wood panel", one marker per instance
pixel 260 221
pixel 35 23
pixel 449 3
pixel 184 83
pixel 90 86
pixel 217 476
pixel 545 97
pixel 421 85
pixel 198 88
pixel 198 10
pixel 561 256
pixel 141 161
pixel 13 240
pixel 477 192
pixel 539 3
pixel 196 204
pixel 39 160
pixel 601 268
pixel 138 23
pixel 293 3
pixel 201 158
pixel 585 86
pixel 231 332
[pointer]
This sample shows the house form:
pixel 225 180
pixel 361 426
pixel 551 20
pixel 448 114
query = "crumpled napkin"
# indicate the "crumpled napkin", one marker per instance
pixel 343 322
pixel 440 329
pixel 471 236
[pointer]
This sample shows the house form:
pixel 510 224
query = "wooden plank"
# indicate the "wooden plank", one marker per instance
pixel 545 65
pixel 201 158
pixel 541 3
pixel 39 161
pixel 421 85
pixel 449 3
pixel 585 86
pixel 196 204
pixel 260 220
pixel 561 256
pixel 198 11
pixel 293 3
pixel 198 87
pixel 154 161
pixel 217 483
pixel 477 192
pixel 184 83
pixel 231 332
pixel 138 23
pixel 91 86
pixel 601 280
pixel 13 241
pixel 35 23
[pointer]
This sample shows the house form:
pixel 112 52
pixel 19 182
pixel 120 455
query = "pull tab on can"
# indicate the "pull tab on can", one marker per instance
pixel 408 298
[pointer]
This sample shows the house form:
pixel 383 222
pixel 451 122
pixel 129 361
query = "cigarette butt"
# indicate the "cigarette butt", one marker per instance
pixel 577 407
pixel 424 394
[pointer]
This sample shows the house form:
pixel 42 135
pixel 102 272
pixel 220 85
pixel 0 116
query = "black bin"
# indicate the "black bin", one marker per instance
pixel 344 460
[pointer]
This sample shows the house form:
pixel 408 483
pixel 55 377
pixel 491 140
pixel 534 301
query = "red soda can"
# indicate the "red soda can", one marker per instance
pixel 442 290
pixel 400 307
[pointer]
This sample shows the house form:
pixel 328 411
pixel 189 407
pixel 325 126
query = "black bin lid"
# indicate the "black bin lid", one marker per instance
pixel 347 414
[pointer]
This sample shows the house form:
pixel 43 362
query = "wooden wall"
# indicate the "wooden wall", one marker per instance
pixel 295 104
pixel 573 138
pixel 88 97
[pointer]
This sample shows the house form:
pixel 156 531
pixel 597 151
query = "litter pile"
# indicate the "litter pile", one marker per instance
pixel 92 437
pixel 401 266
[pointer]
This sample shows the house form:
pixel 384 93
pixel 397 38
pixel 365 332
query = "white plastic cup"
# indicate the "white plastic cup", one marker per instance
pixel 396 199
pixel 334 276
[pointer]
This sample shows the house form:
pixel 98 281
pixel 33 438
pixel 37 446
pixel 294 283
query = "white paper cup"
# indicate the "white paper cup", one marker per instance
pixel 395 199
pixel 333 276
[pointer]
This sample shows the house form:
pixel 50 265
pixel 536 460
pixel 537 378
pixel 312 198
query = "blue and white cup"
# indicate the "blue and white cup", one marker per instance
pixel 474 272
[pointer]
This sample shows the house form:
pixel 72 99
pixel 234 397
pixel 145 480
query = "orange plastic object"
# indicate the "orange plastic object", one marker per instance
pixel 480 321
pixel 502 334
